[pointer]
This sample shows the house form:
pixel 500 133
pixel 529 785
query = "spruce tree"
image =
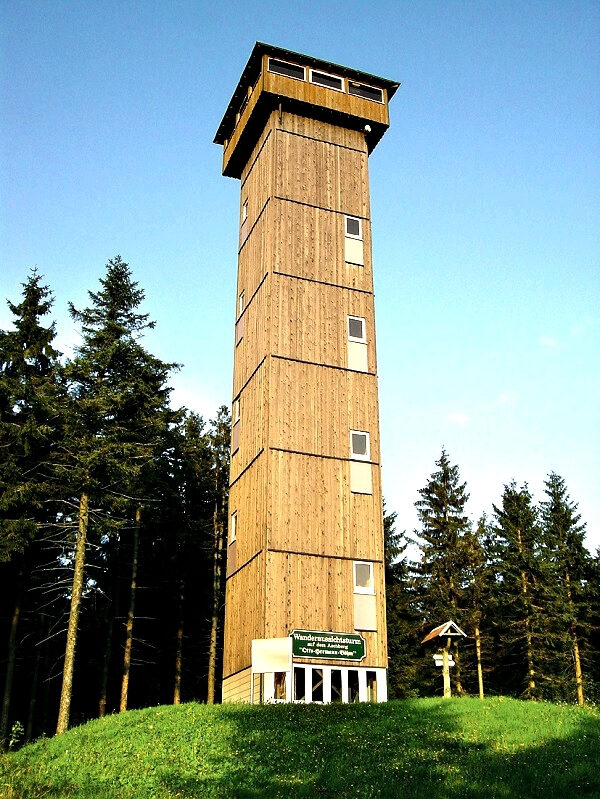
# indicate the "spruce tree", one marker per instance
pixel 116 414
pixel 402 621
pixel 220 444
pixel 522 628
pixel 568 565
pixel 30 425
pixel 441 573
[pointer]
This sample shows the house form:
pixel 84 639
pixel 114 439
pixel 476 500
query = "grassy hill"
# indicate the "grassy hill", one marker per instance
pixel 425 748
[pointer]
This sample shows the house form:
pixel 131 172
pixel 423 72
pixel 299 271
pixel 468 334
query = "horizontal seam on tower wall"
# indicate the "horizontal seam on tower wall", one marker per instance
pixel 237 396
pixel 239 671
pixel 320 455
pixel 323 282
pixel 256 159
pixel 326 365
pixel 255 292
pixel 247 466
pixel 321 141
pixel 256 554
pixel 254 224
pixel 319 207
pixel 321 555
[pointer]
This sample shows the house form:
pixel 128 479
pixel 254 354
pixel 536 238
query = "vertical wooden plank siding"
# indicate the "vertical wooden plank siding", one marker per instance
pixel 299 526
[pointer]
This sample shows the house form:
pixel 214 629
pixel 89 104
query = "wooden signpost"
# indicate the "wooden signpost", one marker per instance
pixel 443 658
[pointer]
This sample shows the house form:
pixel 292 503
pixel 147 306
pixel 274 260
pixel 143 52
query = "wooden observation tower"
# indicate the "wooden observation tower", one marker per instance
pixel 305 601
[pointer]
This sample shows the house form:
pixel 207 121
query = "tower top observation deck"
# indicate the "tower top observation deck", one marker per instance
pixel 275 78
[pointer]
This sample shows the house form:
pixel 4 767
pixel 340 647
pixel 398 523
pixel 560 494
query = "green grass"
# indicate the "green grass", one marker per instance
pixel 417 749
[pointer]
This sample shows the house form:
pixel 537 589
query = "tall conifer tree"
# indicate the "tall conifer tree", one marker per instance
pixel 522 629
pixel 29 430
pixel 568 566
pixel 440 574
pixel 118 406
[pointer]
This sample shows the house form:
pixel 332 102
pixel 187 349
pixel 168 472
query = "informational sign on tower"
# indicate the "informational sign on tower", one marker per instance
pixel 328 645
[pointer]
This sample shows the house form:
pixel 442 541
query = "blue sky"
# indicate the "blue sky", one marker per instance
pixel 485 206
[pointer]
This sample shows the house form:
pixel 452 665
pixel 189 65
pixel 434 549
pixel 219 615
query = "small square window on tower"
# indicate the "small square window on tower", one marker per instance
pixel 357 329
pixel 363 577
pixel 360 447
pixel 353 241
pixel 354 227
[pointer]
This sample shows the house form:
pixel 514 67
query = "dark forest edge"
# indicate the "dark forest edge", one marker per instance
pixel 113 516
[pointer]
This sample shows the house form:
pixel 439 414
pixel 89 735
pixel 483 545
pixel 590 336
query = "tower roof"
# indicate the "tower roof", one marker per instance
pixel 346 104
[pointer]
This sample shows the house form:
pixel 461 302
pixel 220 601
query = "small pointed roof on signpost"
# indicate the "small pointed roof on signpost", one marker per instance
pixel 448 629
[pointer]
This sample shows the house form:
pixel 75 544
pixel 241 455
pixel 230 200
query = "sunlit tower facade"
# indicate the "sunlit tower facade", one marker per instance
pixel 305 598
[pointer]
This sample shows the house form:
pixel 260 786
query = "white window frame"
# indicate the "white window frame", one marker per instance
pixel 324 85
pixel 367 455
pixel 291 63
pixel 233 528
pixel 241 302
pixel 235 411
pixel 362 589
pixel 368 85
pixel 358 235
pixel 244 211
pixel 362 339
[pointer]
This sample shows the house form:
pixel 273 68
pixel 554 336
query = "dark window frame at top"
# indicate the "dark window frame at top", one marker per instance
pixel 365 91
pixel 327 83
pixel 273 63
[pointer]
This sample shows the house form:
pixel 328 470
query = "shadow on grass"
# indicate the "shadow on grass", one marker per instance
pixel 421 749
pixel 363 751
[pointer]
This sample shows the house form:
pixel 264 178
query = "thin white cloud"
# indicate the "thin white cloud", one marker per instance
pixel 547 341
pixel 458 418
pixel 507 399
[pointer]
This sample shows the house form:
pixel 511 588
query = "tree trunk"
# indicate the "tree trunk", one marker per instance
pixel 105 669
pixel 112 612
pixel 130 612
pixel 76 593
pixel 478 655
pixel 528 635
pixel 575 641
pixel 179 650
pixel 446 670
pixel 10 665
pixel 33 696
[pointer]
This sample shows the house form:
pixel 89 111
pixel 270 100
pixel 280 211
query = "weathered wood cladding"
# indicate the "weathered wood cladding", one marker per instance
pixel 258 182
pixel 248 498
pixel 237 687
pixel 315 593
pixel 321 174
pixel 309 243
pixel 317 407
pixel 320 131
pixel 256 256
pixel 311 508
pixel 309 321
pixel 245 616
pixel 325 98
pixel 299 525
pixel 253 422
pixel 254 345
